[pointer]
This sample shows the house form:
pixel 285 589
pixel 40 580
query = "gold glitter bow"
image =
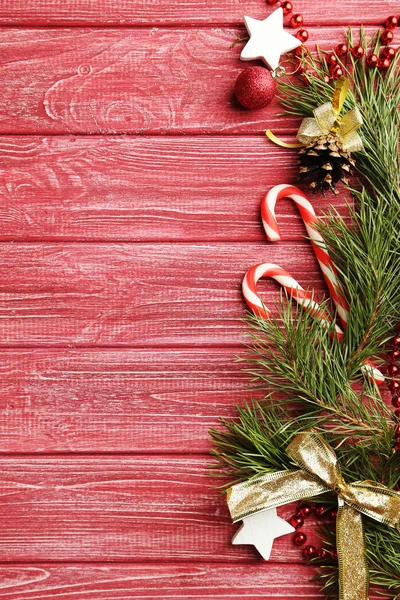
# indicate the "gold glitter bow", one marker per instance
pixel 327 120
pixel 320 473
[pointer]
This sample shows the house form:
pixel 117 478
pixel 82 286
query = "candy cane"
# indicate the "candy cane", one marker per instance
pixel 299 294
pixel 318 243
pixel 303 298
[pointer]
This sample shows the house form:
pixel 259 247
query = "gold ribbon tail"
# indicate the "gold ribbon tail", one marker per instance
pixel 350 544
pixel 280 142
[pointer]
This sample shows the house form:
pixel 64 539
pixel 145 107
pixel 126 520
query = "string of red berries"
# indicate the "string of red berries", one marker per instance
pixel 300 538
pixel 394 384
pixel 382 62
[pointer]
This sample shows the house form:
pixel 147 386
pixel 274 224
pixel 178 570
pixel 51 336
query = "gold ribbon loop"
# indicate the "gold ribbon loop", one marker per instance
pixel 320 473
pixel 327 120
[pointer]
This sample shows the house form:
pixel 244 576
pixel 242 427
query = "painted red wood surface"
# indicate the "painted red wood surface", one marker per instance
pixel 120 309
pixel 130 80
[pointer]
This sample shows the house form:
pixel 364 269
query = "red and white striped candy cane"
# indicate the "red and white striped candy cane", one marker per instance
pixel 309 218
pixel 299 294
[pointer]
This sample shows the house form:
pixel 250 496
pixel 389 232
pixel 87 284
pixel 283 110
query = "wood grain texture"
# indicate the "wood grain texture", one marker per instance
pixel 182 580
pixel 136 294
pixel 106 13
pixel 139 81
pixel 144 189
pixel 122 508
pixel 116 400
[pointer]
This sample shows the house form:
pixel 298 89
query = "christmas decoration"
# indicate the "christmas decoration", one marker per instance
pixel 255 87
pixel 324 426
pixel 261 529
pixel 268 40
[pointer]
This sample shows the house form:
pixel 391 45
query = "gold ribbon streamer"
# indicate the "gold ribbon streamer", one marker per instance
pixel 327 120
pixel 320 473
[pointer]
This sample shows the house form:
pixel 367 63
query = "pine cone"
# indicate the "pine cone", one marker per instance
pixel 324 162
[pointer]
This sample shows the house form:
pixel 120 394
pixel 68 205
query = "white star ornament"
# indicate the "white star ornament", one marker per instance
pixel 261 529
pixel 268 40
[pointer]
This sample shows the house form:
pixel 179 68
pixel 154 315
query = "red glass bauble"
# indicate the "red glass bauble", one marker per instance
pixel 394 386
pixel 322 553
pixel 391 22
pixel 396 341
pixel 302 35
pixel 297 521
pixel 319 510
pixel 388 52
pixel 397 413
pixel 255 88
pixel 299 538
pixel 297 20
pixel 397 431
pixel 333 554
pixel 310 551
pixel 372 60
pixel 327 78
pixel 394 355
pixel 383 64
pixel 341 49
pixel 393 370
pixel 331 59
pixel 387 36
pixel 336 71
pixel 287 7
pixel 396 403
pixel 358 51
pixel 305 511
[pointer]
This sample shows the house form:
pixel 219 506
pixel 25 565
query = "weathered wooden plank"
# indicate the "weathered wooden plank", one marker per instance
pixel 125 80
pixel 182 580
pixel 116 400
pixel 141 12
pixel 144 189
pixel 136 295
pixel 120 508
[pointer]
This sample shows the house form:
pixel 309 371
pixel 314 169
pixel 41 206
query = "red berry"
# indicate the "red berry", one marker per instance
pixel 397 430
pixel 391 22
pixel 333 554
pixel 387 36
pixel 319 510
pixel 397 414
pixel 322 553
pixel 287 7
pixel 297 20
pixel 302 35
pixel 300 67
pixel 336 72
pixel 383 64
pixel 358 51
pixel 297 521
pixel 396 341
pixel 331 59
pixel 299 538
pixel 305 511
pixel 341 49
pixel 327 78
pixel 310 551
pixel 396 403
pixel 332 514
pixel 394 387
pixel 393 370
pixel 272 1
pixel 255 87
pixel 394 355
pixel 372 60
pixel 388 52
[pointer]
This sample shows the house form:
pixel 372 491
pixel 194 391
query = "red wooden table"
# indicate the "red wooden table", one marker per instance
pixel 130 191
